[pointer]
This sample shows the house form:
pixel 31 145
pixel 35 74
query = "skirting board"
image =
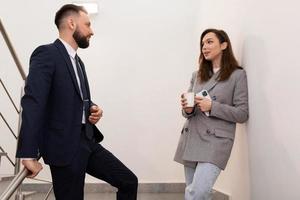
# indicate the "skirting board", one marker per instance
pixel 104 187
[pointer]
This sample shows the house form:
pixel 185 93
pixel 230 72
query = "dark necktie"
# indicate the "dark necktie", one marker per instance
pixel 85 98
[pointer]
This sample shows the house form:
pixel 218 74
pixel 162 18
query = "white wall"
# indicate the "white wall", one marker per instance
pixel 265 35
pixel 144 60
pixel 271 52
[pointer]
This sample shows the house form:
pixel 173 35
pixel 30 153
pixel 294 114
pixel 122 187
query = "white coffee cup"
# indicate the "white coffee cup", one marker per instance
pixel 190 99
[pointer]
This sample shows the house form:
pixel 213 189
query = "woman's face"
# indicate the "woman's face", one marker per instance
pixel 212 48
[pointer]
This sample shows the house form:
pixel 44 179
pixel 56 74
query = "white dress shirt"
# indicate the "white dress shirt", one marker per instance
pixel 72 54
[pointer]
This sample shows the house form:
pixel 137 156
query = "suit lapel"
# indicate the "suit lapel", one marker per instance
pixel 66 57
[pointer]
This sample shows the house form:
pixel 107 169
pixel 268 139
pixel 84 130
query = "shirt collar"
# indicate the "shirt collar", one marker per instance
pixel 215 70
pixel 69 49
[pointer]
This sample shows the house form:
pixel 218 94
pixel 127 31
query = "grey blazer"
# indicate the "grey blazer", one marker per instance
pixel 210 139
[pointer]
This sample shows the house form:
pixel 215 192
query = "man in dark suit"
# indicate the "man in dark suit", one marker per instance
pixel 58 119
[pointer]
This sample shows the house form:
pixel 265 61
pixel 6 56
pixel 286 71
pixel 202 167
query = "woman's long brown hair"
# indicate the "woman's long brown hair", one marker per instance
pixel 228 61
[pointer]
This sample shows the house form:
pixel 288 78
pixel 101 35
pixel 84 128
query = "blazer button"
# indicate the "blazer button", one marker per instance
pixel 186 130
pixel 208 131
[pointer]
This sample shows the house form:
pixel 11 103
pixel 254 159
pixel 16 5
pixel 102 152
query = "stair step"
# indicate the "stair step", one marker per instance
pixel 3 185
pixel 23 195
pixel 5 181
pixel 6 177
pixel 29 193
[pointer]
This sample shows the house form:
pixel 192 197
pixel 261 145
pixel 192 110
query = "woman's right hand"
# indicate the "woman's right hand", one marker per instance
pixel 184 103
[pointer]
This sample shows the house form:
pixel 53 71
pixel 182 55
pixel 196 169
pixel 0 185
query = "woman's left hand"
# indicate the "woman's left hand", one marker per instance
pixel 204 104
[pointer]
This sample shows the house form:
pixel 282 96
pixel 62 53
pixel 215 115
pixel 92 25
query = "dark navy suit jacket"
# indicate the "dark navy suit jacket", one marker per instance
pixel 52 107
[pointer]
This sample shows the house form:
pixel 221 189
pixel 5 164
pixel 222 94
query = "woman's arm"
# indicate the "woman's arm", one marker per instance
pixel 238 111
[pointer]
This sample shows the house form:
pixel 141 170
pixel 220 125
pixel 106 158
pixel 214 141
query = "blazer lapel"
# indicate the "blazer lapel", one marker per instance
pixel 66 57
pixel 197 87
pixel 211 83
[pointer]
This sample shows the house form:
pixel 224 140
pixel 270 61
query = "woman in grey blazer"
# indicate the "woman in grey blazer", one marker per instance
pixel 208 134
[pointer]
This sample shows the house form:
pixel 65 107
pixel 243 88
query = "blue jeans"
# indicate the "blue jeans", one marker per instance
pixel 199 181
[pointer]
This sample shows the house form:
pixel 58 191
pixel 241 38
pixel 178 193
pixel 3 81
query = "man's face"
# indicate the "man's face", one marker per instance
pixel 83 31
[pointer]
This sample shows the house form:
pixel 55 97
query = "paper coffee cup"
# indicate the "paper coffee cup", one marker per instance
pixel 190 99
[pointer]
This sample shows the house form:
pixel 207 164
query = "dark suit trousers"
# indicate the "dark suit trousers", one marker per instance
pixel 92 158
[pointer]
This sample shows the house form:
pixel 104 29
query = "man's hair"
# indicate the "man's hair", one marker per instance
pixel 65 11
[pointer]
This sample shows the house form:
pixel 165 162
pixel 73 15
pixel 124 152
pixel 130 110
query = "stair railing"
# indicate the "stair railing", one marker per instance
pixel 14 186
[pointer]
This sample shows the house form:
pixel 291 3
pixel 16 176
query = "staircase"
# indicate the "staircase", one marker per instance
pixel 4 179
pixel 9 184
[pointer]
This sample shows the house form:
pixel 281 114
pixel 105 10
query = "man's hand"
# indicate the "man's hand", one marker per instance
pixel 33 166
pixel 96 114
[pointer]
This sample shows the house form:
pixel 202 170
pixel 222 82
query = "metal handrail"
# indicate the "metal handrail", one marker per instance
pixel 7 156
pixel 17 181
pixel 19 175
pixel 48 193
pixel 12 51
pixel 14 184
pixel 8 125
pixel 9 96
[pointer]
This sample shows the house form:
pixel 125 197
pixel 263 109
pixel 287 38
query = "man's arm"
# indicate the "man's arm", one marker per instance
pixel 33 103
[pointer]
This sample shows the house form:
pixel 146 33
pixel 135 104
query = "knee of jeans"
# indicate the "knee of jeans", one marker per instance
pixel 198 193
pixel 203 193
pixel 189 190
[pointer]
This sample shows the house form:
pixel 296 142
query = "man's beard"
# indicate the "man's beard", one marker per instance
pixel 81 40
